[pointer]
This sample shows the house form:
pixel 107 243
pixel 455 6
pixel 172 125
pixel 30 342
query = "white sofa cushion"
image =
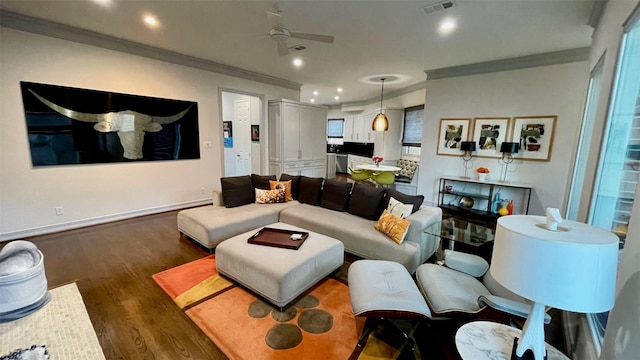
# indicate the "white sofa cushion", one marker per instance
pixel 358 234
pixel 210 225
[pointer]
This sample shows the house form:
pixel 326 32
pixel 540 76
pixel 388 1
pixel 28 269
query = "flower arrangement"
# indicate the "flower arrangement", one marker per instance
pixel 482 170
pixel 377 160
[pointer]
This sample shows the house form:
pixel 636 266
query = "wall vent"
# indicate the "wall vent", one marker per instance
pixel 297 48
pixel 438 6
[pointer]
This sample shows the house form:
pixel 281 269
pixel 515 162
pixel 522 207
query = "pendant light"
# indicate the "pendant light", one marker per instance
pixel 380 122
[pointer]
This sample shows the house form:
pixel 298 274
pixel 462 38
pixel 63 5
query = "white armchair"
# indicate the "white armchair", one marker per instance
pixel 455 287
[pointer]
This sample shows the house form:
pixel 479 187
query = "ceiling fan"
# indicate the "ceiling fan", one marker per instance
pixel 280 34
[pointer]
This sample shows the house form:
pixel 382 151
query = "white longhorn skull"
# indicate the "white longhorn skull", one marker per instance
pixel 130 125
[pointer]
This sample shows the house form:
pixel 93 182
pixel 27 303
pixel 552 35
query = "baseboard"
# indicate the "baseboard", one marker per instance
pixel 21 234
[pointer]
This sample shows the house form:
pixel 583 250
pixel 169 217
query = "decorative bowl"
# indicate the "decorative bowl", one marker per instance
pixel 466 202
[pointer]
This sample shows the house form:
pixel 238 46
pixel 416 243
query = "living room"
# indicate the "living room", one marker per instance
pixel 99 194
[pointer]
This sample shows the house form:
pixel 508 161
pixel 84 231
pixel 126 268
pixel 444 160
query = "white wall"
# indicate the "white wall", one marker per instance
pixel 99 193
pixel 551 90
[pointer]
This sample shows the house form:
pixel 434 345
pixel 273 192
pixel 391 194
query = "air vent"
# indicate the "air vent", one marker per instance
pixel 297 48
pixel 437 6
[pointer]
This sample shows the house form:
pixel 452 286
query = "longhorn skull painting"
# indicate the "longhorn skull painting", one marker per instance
pixel 76 126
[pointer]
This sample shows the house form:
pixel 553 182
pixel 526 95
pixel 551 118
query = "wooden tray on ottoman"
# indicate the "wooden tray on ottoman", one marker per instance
pixel 278 238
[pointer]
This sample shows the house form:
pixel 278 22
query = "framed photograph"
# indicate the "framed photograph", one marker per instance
pixel 489 133
pixel 255 132
pixel 452 132
pixel 535 135
pixel 227 129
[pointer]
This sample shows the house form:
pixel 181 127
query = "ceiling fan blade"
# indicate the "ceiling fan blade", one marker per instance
pixel 282 48
pixel 313 37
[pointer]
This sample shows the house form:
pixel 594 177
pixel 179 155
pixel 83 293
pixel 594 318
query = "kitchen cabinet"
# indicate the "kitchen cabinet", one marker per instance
pixel 297 135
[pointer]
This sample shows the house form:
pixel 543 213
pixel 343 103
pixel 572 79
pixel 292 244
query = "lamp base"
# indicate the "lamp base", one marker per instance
pixel 528 355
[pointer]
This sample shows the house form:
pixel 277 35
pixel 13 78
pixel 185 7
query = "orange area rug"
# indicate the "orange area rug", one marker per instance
pixel 319 325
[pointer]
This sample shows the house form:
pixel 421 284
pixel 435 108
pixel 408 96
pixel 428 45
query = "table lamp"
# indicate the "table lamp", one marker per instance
pixel 508 148
pixel 570 267
pixel 468 147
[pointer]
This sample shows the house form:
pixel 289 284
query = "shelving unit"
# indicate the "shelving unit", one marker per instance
pixel 482 195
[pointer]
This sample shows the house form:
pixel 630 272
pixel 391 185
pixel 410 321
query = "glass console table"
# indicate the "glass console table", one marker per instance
pixel 470 237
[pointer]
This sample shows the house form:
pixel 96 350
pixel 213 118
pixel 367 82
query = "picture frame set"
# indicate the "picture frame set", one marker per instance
pixel 534 134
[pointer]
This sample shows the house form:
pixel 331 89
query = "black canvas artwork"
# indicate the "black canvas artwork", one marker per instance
pixel 78 126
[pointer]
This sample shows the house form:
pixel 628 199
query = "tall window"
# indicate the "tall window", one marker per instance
pixel 585 138
pixel 412 130
pixel 619 164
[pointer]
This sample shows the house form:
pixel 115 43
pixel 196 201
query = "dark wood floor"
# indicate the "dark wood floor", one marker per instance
pixel 133 318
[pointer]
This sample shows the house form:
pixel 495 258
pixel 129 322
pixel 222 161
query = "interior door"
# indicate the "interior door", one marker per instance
pixel 242 135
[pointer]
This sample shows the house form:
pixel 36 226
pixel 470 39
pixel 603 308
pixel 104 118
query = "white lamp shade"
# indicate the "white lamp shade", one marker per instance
pixel 572 270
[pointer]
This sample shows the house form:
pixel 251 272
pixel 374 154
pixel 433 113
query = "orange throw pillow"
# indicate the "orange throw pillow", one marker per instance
pixel 280 185
pixel 394 227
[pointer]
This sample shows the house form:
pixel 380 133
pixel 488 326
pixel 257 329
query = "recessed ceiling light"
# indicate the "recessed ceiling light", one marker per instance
pixel 151 21
pixel 313 100
pixel 339 90
pixel 447 26
pixel 336 97
pixel 104 3
pixel 297 62
pixel 315 93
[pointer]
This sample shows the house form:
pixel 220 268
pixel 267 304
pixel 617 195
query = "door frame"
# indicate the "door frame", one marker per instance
pixel 264 126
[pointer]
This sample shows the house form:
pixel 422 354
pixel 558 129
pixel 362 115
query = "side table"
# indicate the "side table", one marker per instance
pixel 486 340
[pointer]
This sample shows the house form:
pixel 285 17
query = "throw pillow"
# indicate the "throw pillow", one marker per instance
pixel 262 181
pixel 396 208
pixel 365 201
pixel 393 227
pixel 404 198
pixel 286 185
pixel 310 189
pixel 295 184
pixel 270 196
pixel 237 190
pixel 335 195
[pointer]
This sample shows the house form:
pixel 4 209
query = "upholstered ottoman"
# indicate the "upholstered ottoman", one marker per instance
pixel 279 275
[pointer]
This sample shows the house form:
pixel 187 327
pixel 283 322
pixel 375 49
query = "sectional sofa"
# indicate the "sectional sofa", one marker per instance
pixel 341 210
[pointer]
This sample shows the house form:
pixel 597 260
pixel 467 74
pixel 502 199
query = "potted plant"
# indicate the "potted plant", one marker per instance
pixel 482 173
pixel 377 160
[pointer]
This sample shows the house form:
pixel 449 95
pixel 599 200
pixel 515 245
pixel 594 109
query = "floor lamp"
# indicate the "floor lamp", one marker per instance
pixel 508 148
pixel 468 147
pixel 570 267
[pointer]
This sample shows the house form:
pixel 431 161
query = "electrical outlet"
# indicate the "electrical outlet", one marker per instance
pixel 202 190
pixel 207 144
pixel 59 210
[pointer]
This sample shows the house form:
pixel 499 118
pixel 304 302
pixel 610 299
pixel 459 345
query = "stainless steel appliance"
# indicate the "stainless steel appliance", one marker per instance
pixel 341 163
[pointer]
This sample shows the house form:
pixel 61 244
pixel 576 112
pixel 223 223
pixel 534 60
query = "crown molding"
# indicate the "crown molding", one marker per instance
pixel 65 32
pixel 597 9
pixel 517 63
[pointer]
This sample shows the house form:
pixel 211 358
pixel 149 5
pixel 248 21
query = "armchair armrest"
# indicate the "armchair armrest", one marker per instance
pixel 509 306
pixel 467 263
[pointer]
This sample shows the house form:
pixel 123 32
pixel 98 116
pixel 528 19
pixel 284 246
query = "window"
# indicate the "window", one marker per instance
pixel 619 164
pixel 586 134
pixel 412 131
pixel 335 128
pixel 335 131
